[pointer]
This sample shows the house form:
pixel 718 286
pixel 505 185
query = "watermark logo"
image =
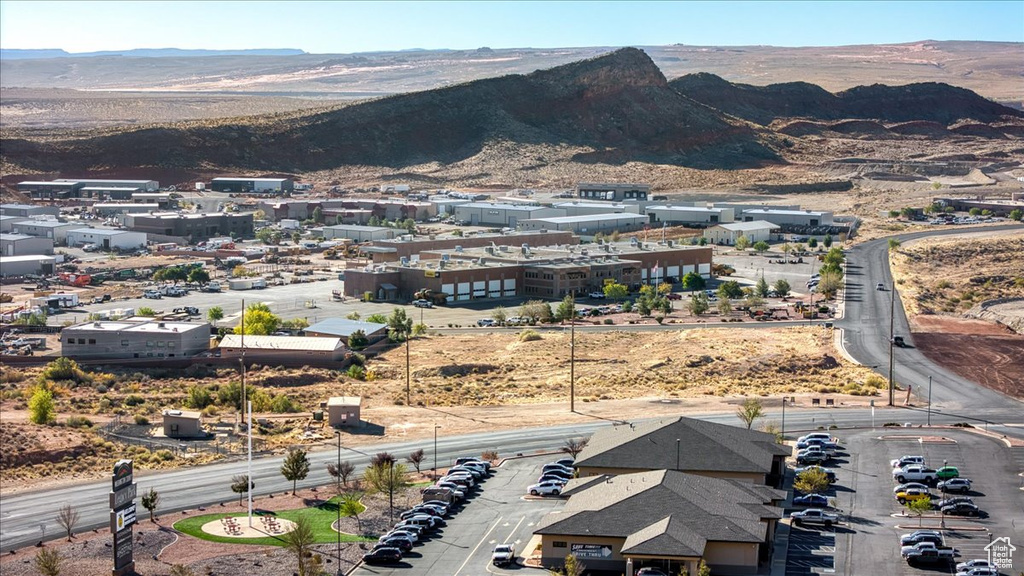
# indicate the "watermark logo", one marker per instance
pixel 1000 553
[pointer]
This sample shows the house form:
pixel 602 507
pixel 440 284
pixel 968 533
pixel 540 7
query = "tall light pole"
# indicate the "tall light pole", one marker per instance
pixel 408 374
pixel 929 400
pixel 572 353
pixel 435 450
pixel 892 335
pixel 783 418
pixel 338 527
pixel 247 409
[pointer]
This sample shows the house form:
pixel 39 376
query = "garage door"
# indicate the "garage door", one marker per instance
pixel 479 289
pixel 463 292
pixel 510 287
pixel 449 289
pixel 494 288
pixel 672 271
pixel 704 269
pixel 687 270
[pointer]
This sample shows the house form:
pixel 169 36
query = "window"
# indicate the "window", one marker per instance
pixel 149 343
pixel 92 340
pixel 160 344
pixel 558 544
pixel 124 342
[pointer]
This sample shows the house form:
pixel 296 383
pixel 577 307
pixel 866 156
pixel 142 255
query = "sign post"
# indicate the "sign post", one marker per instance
pixel 122 516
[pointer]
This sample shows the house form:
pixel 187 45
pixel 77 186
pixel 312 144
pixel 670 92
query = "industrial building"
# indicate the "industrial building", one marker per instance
pixel 501 215
pixel 727 234
pixel 28 210
pixel 142 338
pixel 789 219
pixel 410 248
pixel 52 229
pixel 24 245
pixel 46 190
pixel 7 222
pixel 253 185
pixel 27 265
pixel 108 193
pixel 588 225
pixel 343 328
pixel 689 215
pixel 161 199
pixel 541 272
pixel 358 233
pixel 106 210
pixel 144 185
pixel 663 519
pixel 290 349
pixel 996 207
pixel 192 227
pixel 612 192
pixel 588 208
pixel 107 238
pixel 344 411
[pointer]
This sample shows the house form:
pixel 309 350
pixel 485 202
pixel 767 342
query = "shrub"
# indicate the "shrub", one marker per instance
pixel 134 400
pixel 79 422
pixel 141 420
pixel 490 455
pixel 529 336
pixel 357 372
pixel 282 403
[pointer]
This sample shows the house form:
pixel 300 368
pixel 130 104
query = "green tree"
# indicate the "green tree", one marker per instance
pixel 386 477
pixel 907 212
pixel 357 340
pixel 1016 214
pixel 199 276
pixel 761 288
pixel 811 481
pixel 40 407
pixel 410 225
pixel 215 314
pixel 198 397
pixel 750 410
pixel 761 247
pixel 457 233
pixel 616 291
pixel 918 508
pixel 48 561
pixel 351 506
pixel 373 221
pixel 353 315
pixel 145 311
pixel 230 394
pixel 268 236
pixel 258 320
pixel 698 304
pixel 150 501
pixel 830 283
pixel 693 281
pixel 730 289
pixel 536 311
pixel 702 241
pixel 724 307
pixel 812 243
pixel 753 300
pixel 318 215
pixel 571 567
pixel 300 541
pixel 63 368
pixel 377 318
pixel 295 324
pixel 643 305
pixel 974 211
pixel 703 569
pixel 627 306
pixel 742 243
pixel 240 484
pixel 399 325
pixel 827 241
pixel 295 466
pixel 894 213
pixel 296 237
pixel 566 308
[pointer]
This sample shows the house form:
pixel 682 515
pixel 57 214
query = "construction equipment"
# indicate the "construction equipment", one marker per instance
pixel 79 280
pixel 435 298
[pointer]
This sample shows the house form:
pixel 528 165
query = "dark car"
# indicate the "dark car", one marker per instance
pixel 402 544
pixel 954 501
pixel 555 477
pixel 961 509
pixel 383 556
pixel 813 500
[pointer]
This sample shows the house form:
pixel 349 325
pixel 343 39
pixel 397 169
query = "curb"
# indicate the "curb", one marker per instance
pixel 837 341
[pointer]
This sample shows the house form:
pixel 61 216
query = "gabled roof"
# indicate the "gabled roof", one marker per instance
pixel 665 512
pixel 703 447
pixel 297 343
pixel 343 327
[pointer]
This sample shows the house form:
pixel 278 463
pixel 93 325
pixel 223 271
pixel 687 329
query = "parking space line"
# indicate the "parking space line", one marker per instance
pixel 513 532
pixel 478 544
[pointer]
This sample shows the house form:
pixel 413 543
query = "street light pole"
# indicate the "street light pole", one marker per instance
pixel 929 400
pixel 783 418
pixel 338 527
pixel 435 450
pixel 892 335
pixel 408 375
pixel 572 353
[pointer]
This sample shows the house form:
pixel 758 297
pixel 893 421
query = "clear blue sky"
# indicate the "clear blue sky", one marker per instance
pixel 342 27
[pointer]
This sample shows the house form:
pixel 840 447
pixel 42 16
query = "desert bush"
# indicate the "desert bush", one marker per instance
pixel 79 422
pixel 356 371
pixel 489 455
pixel 282 404
pixel 529 336
pixel 141 420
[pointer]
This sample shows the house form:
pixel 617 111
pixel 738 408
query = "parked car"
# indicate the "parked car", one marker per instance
pixel 979 571
pixel 503 555
pixel 421 303
pixel 552 477
pixel 979 563
pixel 880 287
pixel 904 461
pixel 412 535
pixel 650 572
pixel 915 473
pixel 486 322
pixel 458 491
pixel 403 544
pixel 947 473
pixel 557 467
pixel 961 509
pixel 674 296
pixel 954 501
pixel 908 485
pixel 383 556
pixel 921 536
pixel 928 550
pixel 466 459
pixel 547 488
pixel 961 485
pixel 811 457
pixel 152 294
pixel 597 295
pixel 912 494
pixel 190 310
pixel 567 462
pixel 814 517
pixel 813 500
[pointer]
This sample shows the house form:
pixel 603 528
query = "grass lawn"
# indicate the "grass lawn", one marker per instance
pixel 321 519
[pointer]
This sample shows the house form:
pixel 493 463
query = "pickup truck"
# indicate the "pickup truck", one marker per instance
pixel 814 517
pixel 503 555
pixel 928 552
pixel 914 474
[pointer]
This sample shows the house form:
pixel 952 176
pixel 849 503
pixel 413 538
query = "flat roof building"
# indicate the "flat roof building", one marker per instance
pixel 147 185
pixel 287 348
pixel 49 190
pixel 344 411
pixel 589 224
pixel 727 234
pixel 134 338
pixel 107 238
pixel 253 185
pixel 27 265
pixel 117 193
pixel 24 245
pixel 409 248
pixel 52 229
pixel 689 215
pixel 28 210
pixel 789 218
pixel 192 227
pixel 343 328
pixel 106 209
pixel 183 424
pixel 502 215
pixel 358 233
pixel 7 222
pixel 584 208
pixel 615 192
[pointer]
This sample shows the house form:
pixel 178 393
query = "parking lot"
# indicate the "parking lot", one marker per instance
pixel 497 512
pixel 867 542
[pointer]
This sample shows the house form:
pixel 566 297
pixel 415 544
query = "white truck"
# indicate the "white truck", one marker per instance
pixel 928 552
pixel 915 473
pixel 814 517
pixel 503 555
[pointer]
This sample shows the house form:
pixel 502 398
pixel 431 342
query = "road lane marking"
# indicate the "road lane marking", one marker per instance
pixel 513 532
pixel 477 547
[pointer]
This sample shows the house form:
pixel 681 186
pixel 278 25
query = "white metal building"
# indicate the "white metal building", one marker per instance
pixel 504 215
pixel 22 265
pixel 588 208
pixel 28 210
pixel 7 222
pixel 147 185
pixel 52 229
pixel 358 233
pixel 113 209
pixel 726 234
pixel 699 215
pixel 788 217
pixel 588 225
pixel 107 239
pixel 24 245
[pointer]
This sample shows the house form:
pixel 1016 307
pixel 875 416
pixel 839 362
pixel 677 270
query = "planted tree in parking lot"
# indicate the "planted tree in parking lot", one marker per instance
pixel 416 458
pixel 724 307
pixel 830 283
pixel 693 281
pixel 742 243
pixel 258 320
pixel 150 500
pixel 572 567
pixel 295 466
pixel 47 562
pixel 761 247
pixel 215 314
pixel 616 291
pixel 730 289
pixel 827 241
pixel 386 477
pixel 750 410
pixel 566 308
pixel 300 541
pixel 918 508
pixel 761 288
pixel 698 304
pixel 198 275
pixel 812 243
pixel 351 506
pixel 499 315
pixel 812 481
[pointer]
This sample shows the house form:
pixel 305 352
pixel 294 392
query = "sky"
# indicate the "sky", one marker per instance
pixel 346 27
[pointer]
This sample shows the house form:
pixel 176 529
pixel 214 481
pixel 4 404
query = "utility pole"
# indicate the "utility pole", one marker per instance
pixel 248 424
pixel 929 400
pixel 783 418
pixel 572 354
pixel 892 334
pixel 408 375
pixel 677 453
pixel 435 450
pixel 338 528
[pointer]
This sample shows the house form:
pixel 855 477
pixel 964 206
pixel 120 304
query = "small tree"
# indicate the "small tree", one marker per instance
pixel 750 410
pixel 1016 214
pixel 198 276
pixel 761 247
pixel 781 287
pixel 341 471
pixel 382 458
pixel 698 304
pixel 399 325
pixel 150 500
pixel 566 308
pixel 295 466
pixel 742 243
pixel 499 315
pixel 702 568
pixel 299 541
pixel 357 340
pixel 616 291
pixel 693 281
pixel 893 244
pixel 47 562
pixel 812 481
pixel 416 458
pixel 240 484
pixel 145 311
pixel 918 508
pixel 318 215
pixel 351 506
pixel 386 478
pixel 724 307
pixel 730 289
pixel 573 446
pixel 572 567
pixel 827 241
pixel 215 314
pixel 67 518
pixel 40 407
pixel 812 243
pixel 761 288
pixel 830 283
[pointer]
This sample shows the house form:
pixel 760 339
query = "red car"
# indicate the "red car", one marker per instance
pixel 673 296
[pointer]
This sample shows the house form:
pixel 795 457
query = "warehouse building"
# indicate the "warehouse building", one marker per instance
pixel 144 185
pixel 588 208
pixel 107 239
pixel 289 349
pixel 358 233
pixel 28 210
pixel 27 265
pixel 789 218
pixel 24 245
pixel 689 215
pixel 344 328
pixel 161 199
pixel 689 445
pixel 662 519
pixel 109 193
pixel 106 210
pixel 253 185
pixel 588 225
pixel 410 248
pixel 52 229
pixel 7 223
pixel 727 234
pixel 192 227
pixel 46 190
pixel 143 338
pixel 612 192
pixel 445 205
pixel 502 215
pixel 347 216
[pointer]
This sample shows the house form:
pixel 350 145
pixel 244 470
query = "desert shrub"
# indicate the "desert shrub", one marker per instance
pixel 356 371
pixel 79 422
pixel 210 411
pixel 134 400
pixel 141 420
pixel 283 404
pixel 489 455
pixel 529 336
pixel 164 455
pixel 102 389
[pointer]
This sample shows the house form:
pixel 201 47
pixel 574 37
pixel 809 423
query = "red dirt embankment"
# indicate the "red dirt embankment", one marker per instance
pixel 987 353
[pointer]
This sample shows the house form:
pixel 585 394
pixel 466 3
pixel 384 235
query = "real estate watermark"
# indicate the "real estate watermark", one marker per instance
pixel 1000 553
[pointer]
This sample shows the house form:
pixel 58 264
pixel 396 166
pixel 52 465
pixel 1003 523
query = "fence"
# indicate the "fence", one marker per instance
pixel 119 431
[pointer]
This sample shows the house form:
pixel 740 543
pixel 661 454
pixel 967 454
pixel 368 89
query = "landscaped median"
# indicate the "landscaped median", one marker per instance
pixel 321 517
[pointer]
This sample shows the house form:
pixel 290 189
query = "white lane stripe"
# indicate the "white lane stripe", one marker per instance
pixel 513 532
pixel 477 547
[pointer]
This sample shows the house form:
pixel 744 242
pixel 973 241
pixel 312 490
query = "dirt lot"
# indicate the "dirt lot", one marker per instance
pixel 987 353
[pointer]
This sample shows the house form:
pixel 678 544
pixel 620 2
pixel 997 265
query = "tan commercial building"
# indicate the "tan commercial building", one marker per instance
pixel 343 411
pixel 727 234
pixel 291 349
pixel 663 519
pixel 134 338
pixel 183 424
pixel 688 445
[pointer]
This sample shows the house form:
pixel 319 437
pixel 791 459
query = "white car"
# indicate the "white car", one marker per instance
pixel 547 488
pixel 979 571
pixel 909 485
pixel 903 461
pixel 966 567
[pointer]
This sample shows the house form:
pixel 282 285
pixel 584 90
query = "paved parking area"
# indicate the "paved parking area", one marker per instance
pixel 867 542
pixel 496 513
